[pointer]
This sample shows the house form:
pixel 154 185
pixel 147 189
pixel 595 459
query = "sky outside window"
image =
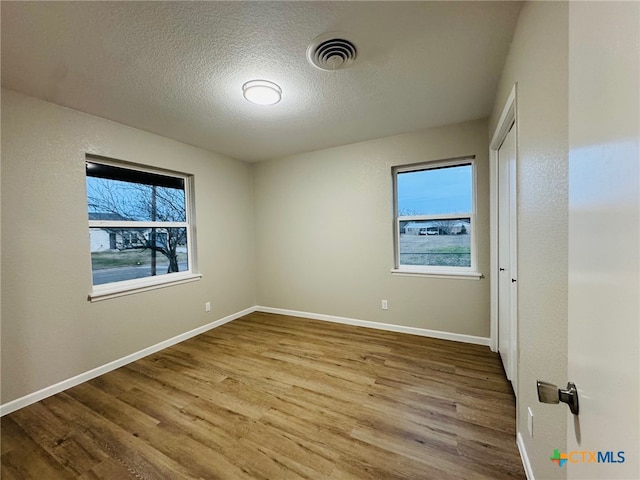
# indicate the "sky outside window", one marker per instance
pixel 435 191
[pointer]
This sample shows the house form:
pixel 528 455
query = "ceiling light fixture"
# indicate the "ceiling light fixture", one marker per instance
pixel 262 92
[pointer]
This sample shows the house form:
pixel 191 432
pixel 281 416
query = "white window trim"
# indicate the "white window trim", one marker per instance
pixel 128 287
pixel 470 272
pixel 406 272
pixel 134 224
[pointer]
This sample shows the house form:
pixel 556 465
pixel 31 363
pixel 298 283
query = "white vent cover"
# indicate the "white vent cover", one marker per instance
pixel 331 51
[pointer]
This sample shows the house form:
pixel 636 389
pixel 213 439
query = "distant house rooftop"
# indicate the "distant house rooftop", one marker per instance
pixel 105 216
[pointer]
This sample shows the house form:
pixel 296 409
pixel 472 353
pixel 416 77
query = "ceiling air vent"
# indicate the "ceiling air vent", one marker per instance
pixel 331 52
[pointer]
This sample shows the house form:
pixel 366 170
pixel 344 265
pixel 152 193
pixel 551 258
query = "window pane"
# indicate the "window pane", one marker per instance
pixel 438 243
pixel 435 191
pixel 110 199
pixel 126 253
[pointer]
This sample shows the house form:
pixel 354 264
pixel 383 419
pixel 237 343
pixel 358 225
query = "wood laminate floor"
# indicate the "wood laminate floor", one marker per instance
pixel 275 397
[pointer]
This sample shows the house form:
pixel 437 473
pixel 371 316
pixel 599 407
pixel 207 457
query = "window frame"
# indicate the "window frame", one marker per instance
pixel 429 270
pixel 126 287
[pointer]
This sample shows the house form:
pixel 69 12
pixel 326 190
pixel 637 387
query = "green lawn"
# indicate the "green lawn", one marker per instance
pixel 436 250
pixel 128 258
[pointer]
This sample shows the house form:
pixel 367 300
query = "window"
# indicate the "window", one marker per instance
pixel 435 218
pixel 139 227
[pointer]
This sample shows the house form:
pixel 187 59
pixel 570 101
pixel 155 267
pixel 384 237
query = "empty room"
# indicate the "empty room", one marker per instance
pixel 320 240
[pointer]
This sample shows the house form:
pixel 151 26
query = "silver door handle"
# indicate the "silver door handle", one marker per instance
pixel 549 393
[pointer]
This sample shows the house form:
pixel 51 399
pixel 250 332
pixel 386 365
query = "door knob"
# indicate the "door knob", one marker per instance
pixel 549 393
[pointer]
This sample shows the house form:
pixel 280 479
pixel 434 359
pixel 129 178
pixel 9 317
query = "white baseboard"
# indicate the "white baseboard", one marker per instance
pixel 96 372
pixel 525 458
pixel 457 337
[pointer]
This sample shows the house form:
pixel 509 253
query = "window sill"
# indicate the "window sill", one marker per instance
pixel 112 291
pixel 454 275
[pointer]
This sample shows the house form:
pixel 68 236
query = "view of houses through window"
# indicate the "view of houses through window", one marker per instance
pixel 138 223
pixel 434 216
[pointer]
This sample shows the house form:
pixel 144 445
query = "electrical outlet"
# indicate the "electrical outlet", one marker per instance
pixel 207 307
pixel 530 421
pixel 385 305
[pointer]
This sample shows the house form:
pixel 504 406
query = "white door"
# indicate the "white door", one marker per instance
pixel 604 239
pixel 506 255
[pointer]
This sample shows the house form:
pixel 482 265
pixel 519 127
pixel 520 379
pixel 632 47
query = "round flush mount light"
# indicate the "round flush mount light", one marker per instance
pixel 262 92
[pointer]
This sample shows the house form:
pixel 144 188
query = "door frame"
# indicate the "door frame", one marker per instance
pixel 508 117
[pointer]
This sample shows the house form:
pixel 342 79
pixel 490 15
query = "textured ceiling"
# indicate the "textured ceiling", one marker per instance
pixel 177 68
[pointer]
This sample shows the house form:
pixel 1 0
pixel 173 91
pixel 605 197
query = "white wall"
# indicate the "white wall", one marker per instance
pixel 50 332
pixel 537 61
pixel 99 240
pixel 324 224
